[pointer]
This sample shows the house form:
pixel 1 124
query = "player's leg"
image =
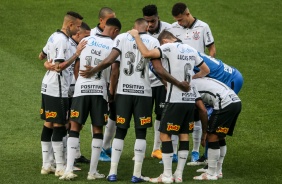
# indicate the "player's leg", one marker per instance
pixel 122 123
pixel 99 117
pixel 109 133
pixel 184 131
pixel 159 95
pixel 143 120
pixel 78 115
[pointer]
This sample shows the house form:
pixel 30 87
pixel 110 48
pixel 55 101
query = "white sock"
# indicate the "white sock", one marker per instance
pixel 157 140
pixel 139 152
pixel 223 150
pixel 78 152
pixel 46 151
pixel 182 158
pixel 72 146
pixel 59 154
pixel 117 148
pixel 197 133
pixel 109 133
pixel 213 156
pixel 174 139
pixel 65 139
pixel 167 162
pixel 95 153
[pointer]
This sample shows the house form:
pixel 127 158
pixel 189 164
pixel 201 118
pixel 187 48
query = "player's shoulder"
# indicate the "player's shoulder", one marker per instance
pixel 200 23
pixel 165 25
pixel 175 25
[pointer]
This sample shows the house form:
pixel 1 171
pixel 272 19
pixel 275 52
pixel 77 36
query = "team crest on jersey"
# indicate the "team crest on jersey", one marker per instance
pixel 222 130
pixel 50 115
pixel 120 120
pixel 144 120
pixel 196 35
pixel 172 127
pixel 74 114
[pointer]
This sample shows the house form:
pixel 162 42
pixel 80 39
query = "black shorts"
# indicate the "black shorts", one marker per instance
pixel 158 98
pixel 95 105
pixel 112 111
pixel 54 109
pixel 222 122
pixel 139 106
pixel 177 118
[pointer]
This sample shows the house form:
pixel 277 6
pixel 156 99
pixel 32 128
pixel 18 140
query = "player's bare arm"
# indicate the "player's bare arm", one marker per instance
pixel 67 63
pixel 76 69
pixel 184 86
pixel 204 70
pixel 90 71
pixel 142 48
pixel 212 50
pixel 114 80
pixel 42 55
pixel 204 119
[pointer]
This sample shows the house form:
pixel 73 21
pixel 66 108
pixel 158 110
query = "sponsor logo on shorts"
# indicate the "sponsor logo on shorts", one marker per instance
pixel 51 114
pixel 74 114
pixel 144 120
pixel 222 130
pixel 41 111
pixel 120 120
pixel 106 117
pixel 172 127
pixel 191 126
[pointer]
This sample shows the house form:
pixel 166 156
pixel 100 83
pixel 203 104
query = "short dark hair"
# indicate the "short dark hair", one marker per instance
pixel 150 10
pixel 165 35
pixel 114 22
pixel 74 14
pixel 178 8
pixel 85 26
pixel 104 11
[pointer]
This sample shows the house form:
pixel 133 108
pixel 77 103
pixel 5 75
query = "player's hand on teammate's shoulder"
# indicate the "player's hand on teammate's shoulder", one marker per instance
pixel 133 32
pixel 81 46
pixel 184 86
pixel 87 73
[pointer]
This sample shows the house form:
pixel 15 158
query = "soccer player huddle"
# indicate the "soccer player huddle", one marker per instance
pixel 112 76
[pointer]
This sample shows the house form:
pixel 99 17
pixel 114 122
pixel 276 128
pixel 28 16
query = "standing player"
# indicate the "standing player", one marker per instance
pixel 227 107
pixel 90 96
pixel 104 14
pixel 134 90
pixel 179 109
pixel 74 40
pixel 55 86
pixel 155 27
pixel 198 35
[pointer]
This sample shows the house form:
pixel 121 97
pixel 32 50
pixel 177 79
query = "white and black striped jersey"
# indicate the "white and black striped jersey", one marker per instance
pixel 198 35
pixel 57 49
pixel 215 93
pixel 181 59
pixel 134 69
pixel 161 26
pixel 97 49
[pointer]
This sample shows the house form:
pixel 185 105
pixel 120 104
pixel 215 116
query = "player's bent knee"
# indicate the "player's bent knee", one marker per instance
pixel 121 133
